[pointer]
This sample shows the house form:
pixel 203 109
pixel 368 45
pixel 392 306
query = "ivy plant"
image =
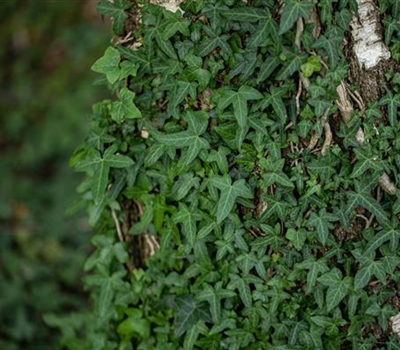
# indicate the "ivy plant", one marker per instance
pixel 234 206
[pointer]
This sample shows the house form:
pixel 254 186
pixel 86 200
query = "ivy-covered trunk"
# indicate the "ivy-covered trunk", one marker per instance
pixel 243 180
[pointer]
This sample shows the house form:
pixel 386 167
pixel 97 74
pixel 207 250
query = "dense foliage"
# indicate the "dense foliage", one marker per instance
pixel 46 90
pixel 235 206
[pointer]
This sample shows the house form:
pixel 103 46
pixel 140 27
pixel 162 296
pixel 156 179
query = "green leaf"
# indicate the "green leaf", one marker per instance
pixel 213 41
pixel 124 108
pixel 237 282
pixel 214 12
pixel 220 158
pixel 174 23
pixel 337 287
pixel 392 102
pixel 266 28
pixel 106 296
pixel 314 267
pixel 330 43
pixel 108 64
pixel 100 181
pixel 245 14
pixel 297 237
pixel 116 10
pixel 228 194
pixel 154 153
pixel 100 167
pixel 186 315
pixel 275 206
pixel 322 224
pixel 184 184
pixel 390 233
pixel 188 218
pixel 209 295
pixel 239 102
pixel 365 161
pixel 291 66
pixel 292 10
pixel 135 325
pixel 267 67
pixel 362 197
pixel 183 139
pixel 312 65
pixel 191 337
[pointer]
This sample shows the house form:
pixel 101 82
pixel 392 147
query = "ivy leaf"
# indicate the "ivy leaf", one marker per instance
pixel 337 287
pixel 292 65
pixel 292 11
pixel 390 233
pixel 108 65
pixel 154 153
pixel 214 12
pixel 314 267
pixel 276 205
pixel 267 67
pixel 364 274
pixel 343 19
pixel 106 296
pixel 188 218
pixel 116 10
pixel 245 14
pixel 174 23
pixel 213 41
pixel 362 197
pixel 213 298
pixel 297 237
pixel 186 315
pixel 220 158
pixel 124 108
pixel 330 43
pixel 266 28
pixel 239 102
pixel 365 161
pixel 184 184
pixel 182 139
pixel 100 166
pixel 322 224
pixel 229 193
pixel 392 102
pixel 239 283
pixel 273 173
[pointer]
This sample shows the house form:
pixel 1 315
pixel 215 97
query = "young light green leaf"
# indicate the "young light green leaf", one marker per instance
pixel 108 64
pixel 124 108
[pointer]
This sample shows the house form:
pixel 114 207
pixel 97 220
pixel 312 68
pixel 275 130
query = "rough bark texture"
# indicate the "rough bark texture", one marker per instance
pixel 370 56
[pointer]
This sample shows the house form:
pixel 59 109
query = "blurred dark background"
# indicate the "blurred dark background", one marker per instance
pixel 46 93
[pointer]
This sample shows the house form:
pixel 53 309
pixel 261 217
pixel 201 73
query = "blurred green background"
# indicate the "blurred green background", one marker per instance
pixel 46 93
